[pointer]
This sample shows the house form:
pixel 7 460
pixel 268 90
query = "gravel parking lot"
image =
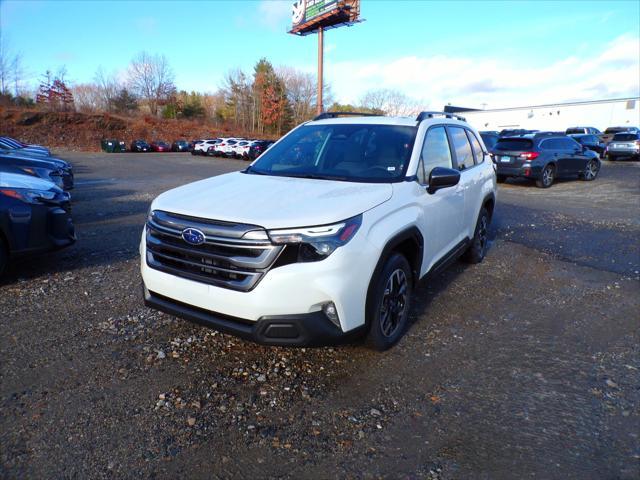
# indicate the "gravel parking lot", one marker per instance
pixel 527 365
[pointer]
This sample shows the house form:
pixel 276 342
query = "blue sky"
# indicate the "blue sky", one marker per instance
pixel 498 53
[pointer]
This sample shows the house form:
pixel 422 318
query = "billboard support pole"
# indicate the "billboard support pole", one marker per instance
pixel 319 107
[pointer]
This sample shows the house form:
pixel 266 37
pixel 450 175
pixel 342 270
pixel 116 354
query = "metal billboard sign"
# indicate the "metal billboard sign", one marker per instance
pixel 310 15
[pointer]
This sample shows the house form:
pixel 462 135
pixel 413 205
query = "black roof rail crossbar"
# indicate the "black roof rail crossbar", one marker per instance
pixel 325 115
pixel 424 115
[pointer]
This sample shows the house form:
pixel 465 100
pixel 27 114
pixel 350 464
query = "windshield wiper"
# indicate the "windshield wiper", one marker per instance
pixel 315 176
pixel 254 171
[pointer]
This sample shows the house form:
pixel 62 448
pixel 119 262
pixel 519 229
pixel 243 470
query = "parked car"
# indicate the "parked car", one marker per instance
pixel 582 131
pixel 544 158
pixel 226 146
pixel 514 132
pixel 38 149
pixel 489 138
pixel 180 146
pixel 346 216
pixel 35 217
pixel 8 143
pixel 140 146
pixel 624 145
pixel 112 145
pixel 203 147
pixel 258 148
pixel 53 169
pixel 241 149
pixel 160 146
pixel 608 134
pixel 590 141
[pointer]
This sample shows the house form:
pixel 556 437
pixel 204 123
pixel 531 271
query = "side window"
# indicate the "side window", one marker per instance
pixel 551 144
pixel 477 149
pixel 435 152
pixel 462 147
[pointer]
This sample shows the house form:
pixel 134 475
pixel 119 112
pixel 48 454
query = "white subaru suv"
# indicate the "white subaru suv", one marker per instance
pixel 323 238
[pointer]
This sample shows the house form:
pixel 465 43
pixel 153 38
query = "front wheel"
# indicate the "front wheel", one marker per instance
pixel 547 177
pixel 478 248
pixel 591 172
pixel 388 303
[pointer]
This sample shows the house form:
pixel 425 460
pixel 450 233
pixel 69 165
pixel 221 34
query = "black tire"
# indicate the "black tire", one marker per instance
pixel 547 177
pixel 388 303
pixel 501 178
pixel 591 172
pixel 611 158
pixel 4 255
pixel 478 248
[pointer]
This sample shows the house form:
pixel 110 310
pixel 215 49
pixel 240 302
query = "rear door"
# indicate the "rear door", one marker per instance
pixel 470 177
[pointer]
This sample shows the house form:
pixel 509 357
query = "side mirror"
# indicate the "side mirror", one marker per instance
pixel 441 177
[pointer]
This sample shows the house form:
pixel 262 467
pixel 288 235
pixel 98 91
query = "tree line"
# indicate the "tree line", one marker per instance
pixel 266 100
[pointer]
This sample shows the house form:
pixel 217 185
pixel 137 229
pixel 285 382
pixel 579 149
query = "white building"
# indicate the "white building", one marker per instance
pixel 560 116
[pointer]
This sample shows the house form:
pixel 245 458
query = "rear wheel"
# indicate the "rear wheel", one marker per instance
pixel 4 255
pixel 478 248
pixel 546 177
pixel 388 305
pixel 591 172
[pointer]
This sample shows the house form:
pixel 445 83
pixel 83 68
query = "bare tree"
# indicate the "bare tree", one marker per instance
pixel 108 88
pixel 88 97
pixel 151 78
pixel 391 102
pixel 11 70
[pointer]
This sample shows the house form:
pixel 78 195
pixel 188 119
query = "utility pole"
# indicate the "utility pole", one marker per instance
pixel 319 107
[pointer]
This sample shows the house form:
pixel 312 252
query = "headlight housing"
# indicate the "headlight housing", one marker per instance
pixel 28 196
pixel 317 243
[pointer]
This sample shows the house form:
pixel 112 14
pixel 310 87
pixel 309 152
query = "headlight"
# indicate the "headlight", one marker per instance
pixel 317 243
pixel 28 196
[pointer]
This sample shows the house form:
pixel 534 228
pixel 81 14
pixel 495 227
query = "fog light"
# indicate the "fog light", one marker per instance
pixel 331 312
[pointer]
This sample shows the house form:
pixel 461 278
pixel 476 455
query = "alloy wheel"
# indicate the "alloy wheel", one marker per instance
pixel 591 171
pixel 394 302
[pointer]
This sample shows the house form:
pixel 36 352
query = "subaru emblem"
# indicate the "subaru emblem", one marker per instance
pixel 193 236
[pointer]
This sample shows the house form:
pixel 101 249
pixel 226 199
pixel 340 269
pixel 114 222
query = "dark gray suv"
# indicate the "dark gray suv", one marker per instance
pixel 544 157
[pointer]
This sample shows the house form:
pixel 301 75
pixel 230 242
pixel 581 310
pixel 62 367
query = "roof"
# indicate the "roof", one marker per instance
pixel 382 120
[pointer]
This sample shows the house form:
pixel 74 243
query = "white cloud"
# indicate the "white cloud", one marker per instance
pixel 471 81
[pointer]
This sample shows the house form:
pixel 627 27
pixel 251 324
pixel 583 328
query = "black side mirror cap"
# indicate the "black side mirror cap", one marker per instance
pixel 441 177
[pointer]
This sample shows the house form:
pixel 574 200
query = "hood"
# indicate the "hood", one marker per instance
pixel 45 162
pixel 13 180
pixel 273 202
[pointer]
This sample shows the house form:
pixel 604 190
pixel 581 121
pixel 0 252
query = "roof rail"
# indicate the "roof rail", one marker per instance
pixel 324 115
pixel 424 115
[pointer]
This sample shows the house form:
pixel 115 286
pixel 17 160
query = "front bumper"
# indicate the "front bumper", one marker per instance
pixel 40 228
pixel 303 330
pixel 296 290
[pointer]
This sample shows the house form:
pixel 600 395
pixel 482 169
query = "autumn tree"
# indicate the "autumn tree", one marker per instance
pixel 54 93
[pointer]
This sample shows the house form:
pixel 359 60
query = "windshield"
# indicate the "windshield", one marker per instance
pixel 615 130
pixel 574 130
pixel 350 152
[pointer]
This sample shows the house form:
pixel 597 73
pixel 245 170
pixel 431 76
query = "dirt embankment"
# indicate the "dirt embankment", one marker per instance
pixel 83 131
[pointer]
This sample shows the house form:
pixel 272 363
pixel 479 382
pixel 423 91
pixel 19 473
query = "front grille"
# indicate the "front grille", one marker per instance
pixel 225 259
